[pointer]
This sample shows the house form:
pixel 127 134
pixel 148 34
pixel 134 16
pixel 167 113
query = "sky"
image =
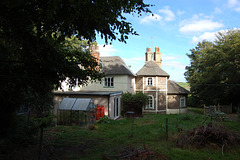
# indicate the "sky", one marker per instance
pixel 176 27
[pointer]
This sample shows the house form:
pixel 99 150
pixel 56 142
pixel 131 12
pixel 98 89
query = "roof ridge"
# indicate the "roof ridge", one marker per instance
pixel 151 68
pixel 115 65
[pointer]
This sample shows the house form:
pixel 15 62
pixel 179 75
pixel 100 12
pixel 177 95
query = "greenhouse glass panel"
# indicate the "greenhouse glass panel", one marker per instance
pixel 82 104
pixel 67 103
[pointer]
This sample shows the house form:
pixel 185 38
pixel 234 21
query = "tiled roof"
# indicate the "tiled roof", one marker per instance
pixel 174 88
pixel 115 65
pixel 152 69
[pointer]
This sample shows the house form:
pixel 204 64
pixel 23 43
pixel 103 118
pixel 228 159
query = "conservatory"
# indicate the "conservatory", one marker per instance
pixel 76 111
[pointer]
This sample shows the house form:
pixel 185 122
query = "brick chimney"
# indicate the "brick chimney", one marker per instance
pixel 148 55
pixel 157 56
pixel 94 51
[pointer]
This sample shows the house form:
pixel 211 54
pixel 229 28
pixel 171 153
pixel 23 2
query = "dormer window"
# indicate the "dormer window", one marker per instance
pixel 108 82
pixel 150 81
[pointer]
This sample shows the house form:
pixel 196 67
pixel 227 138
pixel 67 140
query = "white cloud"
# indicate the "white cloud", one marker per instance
pixel 107 50
pixel 134 60
pixel 173 65
pixel 180 12
pixel 209 36
pixel 234 4
pixel 168 14
pixel 136 63
pixel 150 19
pixel 203 25
pixel 166 57
pixel 237 9
pixel 217 11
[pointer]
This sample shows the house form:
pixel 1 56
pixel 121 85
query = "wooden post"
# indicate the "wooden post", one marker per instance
pixel 132 124
pixel 166 129
pixel 204 107
pixel 40 143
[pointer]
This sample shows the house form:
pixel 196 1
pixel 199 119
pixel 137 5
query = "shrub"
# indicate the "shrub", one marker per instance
pixel 139 100
pixel 104 119
pixel 22 132
pixel 134 102
pixel 126 100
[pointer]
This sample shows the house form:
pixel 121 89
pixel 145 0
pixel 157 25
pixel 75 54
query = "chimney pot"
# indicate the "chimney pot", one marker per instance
pixel 157 56
pixel 148 54
pixel 148 49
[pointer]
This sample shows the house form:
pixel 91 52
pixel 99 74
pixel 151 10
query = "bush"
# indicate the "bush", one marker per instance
pixel 104 119
pixel 22 132
pixel 139 100
pixel 134 102
pixel 127 101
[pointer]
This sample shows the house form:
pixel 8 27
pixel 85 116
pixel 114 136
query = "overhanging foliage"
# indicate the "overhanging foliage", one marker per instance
pixel 34 53
pixel 214 73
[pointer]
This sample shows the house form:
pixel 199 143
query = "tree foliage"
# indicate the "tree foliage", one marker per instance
pixel 214 73
pixel 37 49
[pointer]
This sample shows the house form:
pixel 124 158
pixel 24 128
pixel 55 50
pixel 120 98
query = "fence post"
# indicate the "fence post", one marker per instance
pixel 40 143
pixel 166 129
pixel 204 107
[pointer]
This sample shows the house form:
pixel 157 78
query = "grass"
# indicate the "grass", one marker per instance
pixel 184 85
pixel 80 143
pixel 74 142
pixel 196 110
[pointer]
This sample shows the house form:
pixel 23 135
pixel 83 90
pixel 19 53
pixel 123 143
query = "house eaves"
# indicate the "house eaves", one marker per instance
pixel 174 88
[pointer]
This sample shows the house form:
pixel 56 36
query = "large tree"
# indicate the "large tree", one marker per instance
pixel 33 52
pixel 214 73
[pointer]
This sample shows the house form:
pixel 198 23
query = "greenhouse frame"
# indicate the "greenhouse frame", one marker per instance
pixel 76 111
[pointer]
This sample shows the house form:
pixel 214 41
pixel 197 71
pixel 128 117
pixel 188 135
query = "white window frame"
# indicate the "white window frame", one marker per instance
pixel 116 109
pixel 108 82
pixel 152 98
pixel 184 102
pixel 152 81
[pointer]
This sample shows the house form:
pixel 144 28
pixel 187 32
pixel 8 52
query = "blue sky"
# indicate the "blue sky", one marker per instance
pixel 176 27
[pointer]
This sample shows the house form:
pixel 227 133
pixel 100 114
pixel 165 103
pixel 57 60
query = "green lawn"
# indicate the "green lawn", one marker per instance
pixel 74 142
pixel 196 110
pixel 184 85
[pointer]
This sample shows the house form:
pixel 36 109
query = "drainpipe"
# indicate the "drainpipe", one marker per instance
pixel 166 95
pixel 108 104
pixel 143 85
pixel 157 94
pixel 156 101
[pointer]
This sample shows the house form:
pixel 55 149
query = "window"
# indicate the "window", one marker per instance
pixel 150 81
pixel 182 102
pixel 108 82
pixel 150 104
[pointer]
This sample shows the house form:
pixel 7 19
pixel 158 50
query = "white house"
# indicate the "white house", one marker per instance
pixel 118 79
